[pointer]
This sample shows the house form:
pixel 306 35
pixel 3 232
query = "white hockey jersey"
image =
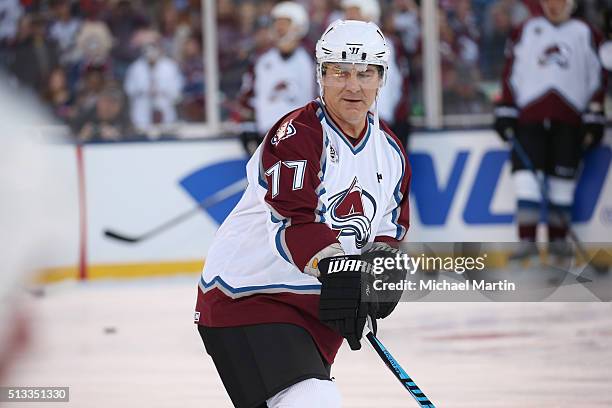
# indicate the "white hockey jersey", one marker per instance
pixel 281 85
pixel 309 186
pixel 553 71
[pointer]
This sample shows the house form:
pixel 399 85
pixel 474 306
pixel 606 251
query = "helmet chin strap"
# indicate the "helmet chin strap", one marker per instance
pixel 320 82
pixel 375 105
pixel 379 158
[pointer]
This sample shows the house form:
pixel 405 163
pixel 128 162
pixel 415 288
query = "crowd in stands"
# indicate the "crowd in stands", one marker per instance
pixel 116 69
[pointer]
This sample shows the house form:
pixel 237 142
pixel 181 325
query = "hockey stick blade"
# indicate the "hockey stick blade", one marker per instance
pixel 398 371
pixel 209 201
pixel 119 237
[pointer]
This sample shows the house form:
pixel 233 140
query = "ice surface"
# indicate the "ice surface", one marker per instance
pixel 133 344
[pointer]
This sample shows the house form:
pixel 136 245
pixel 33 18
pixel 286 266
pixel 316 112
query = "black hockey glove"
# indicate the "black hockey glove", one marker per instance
pixel 387 272
pixel 250 141
pixel 347 296
pixel 506 121
pixel 593 126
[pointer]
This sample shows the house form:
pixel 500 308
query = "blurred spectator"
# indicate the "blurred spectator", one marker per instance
pixel 448 54
pixel 58 95
pixel 192 67
pixel 247 27
pixel 94 9
pixel 94 43
pixel 467 35
pixel 124 20
pixel 401 124
pixel 106 120
pixel 63 29
pixel 153 84
pixel 463 96
pixel 229 40
pixel 91 85
pixel 264 11
pixel 502 17
pixel 593 11
pixel 335 12
pixel 494 42
pixel 35 54
pixel 10 13
pixel 174 31
pixel 319 16
pixel 111 33
pixel 405 15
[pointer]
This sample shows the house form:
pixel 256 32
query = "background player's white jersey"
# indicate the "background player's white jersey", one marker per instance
pixel 553 70
pixel 281 85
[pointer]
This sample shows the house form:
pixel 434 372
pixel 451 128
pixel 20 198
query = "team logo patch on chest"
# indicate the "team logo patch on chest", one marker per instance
pixel 352 211
pixel 284 131
pixel 556 54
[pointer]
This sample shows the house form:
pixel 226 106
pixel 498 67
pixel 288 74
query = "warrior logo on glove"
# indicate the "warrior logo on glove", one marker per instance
pixel 345 264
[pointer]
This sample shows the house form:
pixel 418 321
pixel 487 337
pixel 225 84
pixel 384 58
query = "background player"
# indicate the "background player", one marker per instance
pixel 282 78
pixel 552 100
pixel 329 179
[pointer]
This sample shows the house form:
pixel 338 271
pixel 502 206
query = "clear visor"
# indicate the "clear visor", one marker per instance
pixel 338 74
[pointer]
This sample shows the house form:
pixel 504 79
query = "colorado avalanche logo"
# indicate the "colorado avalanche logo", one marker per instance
pixel 284 131
pixel 352 211
pixel 555 54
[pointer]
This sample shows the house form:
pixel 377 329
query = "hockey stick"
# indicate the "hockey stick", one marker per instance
pixel 209 201
pixel 526 160
pixel 397 370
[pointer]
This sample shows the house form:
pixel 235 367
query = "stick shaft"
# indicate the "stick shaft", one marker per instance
pixel 209 201
pixel 524 157
pixel 398 371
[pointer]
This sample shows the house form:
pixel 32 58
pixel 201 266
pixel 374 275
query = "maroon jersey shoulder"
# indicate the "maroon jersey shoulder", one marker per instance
pixel 298 134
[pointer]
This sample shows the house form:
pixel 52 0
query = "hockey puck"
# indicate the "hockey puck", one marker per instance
pixel 110 330
pixel 37 292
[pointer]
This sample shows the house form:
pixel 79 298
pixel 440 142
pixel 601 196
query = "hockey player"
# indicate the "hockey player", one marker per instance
pixel 552 102
pixel 329 179
pixel 282 78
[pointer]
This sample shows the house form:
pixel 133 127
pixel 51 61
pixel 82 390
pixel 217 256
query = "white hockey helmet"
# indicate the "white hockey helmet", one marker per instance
pixel 353 42
pixel 370 9
pixel 294 12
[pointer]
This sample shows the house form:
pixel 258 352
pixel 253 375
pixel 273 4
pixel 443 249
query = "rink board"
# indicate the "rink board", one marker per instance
pixel 461 191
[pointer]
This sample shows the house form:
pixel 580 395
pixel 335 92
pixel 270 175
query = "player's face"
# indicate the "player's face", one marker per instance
pixel 284 35
pixel 350 89
pixel 557 11
pixel 282 26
